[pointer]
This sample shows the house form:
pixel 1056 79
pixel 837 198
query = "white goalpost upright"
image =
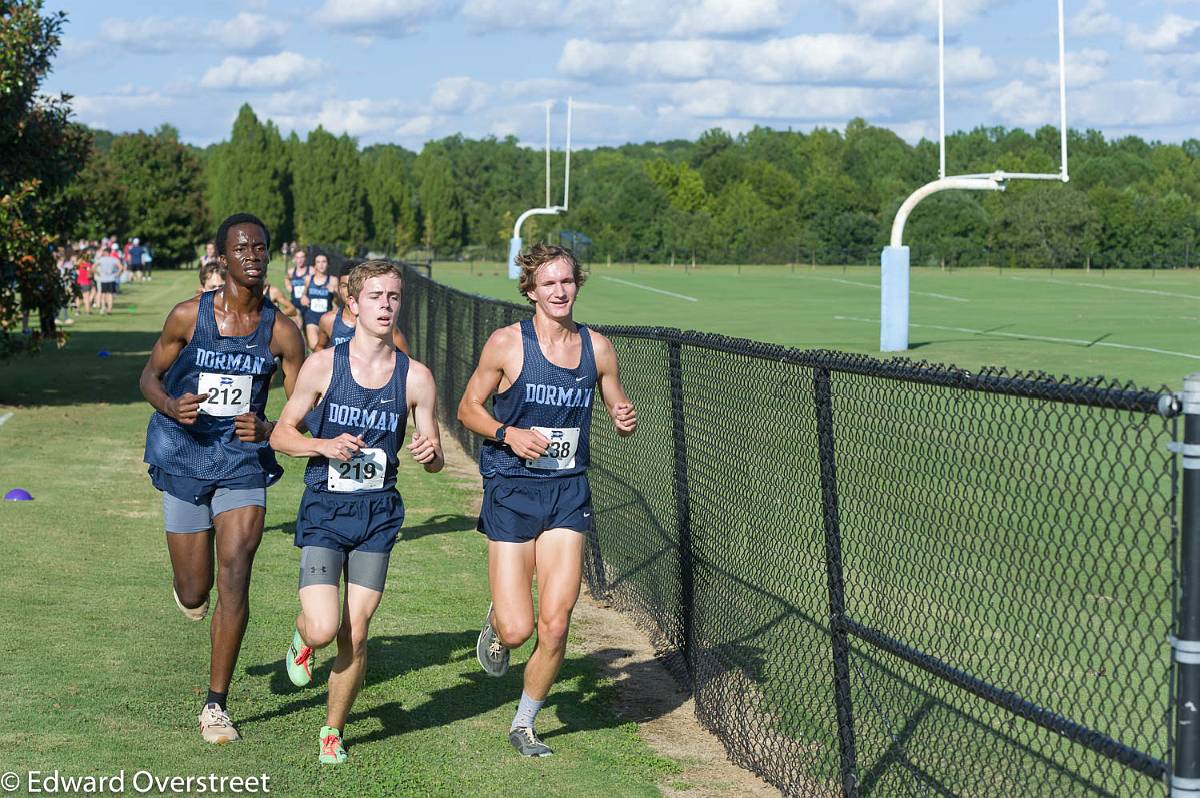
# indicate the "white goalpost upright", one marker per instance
pixel 514 244
pixel 894 263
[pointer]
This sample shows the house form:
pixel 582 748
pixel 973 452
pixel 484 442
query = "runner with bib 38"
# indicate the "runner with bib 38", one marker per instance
pixel 541 375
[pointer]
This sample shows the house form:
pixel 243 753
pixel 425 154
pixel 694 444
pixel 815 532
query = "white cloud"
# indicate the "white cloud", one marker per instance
pixel 382 17
pixel 726 98
pixel 900 16
pixel 268 72
pixel 129 107
pixel 1084 68
pixel 1134 104
pixel 1173 34
pixel 821 58
pixel 1125 104
pixel 459 95
pixel 609 19
pixel 252 32
pixel 1094 20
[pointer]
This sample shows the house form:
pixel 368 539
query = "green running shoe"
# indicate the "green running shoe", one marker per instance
pixel 332 750
pixel 300 661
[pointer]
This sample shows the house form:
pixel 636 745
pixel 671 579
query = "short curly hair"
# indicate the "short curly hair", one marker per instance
pixel 239 218
pixel 538 256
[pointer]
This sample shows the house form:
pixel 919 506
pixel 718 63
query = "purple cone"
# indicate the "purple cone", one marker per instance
pixel 18 495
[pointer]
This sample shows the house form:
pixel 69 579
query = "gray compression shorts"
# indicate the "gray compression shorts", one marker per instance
pixel 181 517
pixel 321 566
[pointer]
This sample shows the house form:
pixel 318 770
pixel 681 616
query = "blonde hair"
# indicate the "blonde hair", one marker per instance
pixel 368 269
pixel 538 256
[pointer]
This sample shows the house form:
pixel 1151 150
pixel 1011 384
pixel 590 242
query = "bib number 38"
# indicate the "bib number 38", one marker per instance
pixel 363 471
pixel 228 394
pixel 560 454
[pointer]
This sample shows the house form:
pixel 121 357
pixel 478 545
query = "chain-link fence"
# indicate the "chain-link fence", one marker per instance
pixel 882 578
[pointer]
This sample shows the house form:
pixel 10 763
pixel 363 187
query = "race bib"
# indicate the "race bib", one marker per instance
pixel 297 291
pixel 363 471
pixel 560 454
pixel 318 304
pixel 228 394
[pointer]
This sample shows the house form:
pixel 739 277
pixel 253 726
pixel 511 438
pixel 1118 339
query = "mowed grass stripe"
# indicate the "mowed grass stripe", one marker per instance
pixel 100 672
pixel 786 305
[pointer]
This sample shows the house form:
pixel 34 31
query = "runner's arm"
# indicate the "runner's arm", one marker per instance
pixel 180 322
pixel 282 302
pixel 525 443
pixel 325 328
pixel 288 436
pixel 291 349
pixel 620 409
pixel 426 446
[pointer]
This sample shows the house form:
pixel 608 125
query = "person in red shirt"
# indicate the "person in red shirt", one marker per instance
pixel 83 278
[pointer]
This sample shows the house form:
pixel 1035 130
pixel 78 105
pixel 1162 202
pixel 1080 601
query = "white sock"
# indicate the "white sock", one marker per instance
pixel 526 711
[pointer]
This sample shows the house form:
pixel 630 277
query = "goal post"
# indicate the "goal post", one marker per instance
pixel 894 261
pixel 515 243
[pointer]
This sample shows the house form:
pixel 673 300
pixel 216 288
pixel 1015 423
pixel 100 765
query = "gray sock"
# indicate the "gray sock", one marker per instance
pixel 526 711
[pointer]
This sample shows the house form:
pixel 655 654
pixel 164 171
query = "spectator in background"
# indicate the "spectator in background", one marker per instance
pixel 209 256
pixel 84 284
pixel 133 258
pixel 108 270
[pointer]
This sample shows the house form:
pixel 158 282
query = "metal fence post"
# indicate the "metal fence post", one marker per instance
pixel 1186 779
pixel 683 512
pixel 822 396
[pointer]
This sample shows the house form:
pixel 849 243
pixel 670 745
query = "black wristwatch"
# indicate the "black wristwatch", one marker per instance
pixel 500 433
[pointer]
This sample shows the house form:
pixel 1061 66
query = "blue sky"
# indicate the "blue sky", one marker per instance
pixel 407 71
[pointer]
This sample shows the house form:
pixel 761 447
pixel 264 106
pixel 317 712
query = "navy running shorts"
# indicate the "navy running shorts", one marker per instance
pixel 311 316
pixel 518 509
pixel 349 522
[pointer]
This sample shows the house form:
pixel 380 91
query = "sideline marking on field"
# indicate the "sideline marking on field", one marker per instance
pixel 647 288
pixel 1034 337
pixel 1108 287
pixel 875 286
pixel 4 418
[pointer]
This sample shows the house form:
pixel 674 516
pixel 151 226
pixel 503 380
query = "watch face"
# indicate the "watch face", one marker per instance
pixel 500 433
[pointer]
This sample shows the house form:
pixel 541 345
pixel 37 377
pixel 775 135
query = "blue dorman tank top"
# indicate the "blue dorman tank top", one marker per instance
pixel 319 296
pixel 235 371
pixel 297 280
pixel 342 332
pixel 378 415
pixel 555 399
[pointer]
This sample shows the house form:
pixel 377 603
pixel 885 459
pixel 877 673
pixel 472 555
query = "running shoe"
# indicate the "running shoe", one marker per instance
pixel 300 661
pixel 215 725
pixel 332 750
pixel 525 740
pixel 191 613
pixel 491 653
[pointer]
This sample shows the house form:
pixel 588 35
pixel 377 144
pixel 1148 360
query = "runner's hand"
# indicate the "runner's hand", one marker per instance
pixel 185 408
pixel 343 447
pixel 422 449
pixel 526 443
pixel 250 428
pixel 624 418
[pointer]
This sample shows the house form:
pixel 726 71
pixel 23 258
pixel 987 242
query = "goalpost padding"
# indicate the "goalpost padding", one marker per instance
pixel 514 249
pixel 893 300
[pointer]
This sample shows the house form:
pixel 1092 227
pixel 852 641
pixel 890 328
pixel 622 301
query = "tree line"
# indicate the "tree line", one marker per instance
pixel 764 196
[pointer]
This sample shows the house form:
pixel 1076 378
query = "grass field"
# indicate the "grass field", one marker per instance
pixel 1063 322
pixel 100 672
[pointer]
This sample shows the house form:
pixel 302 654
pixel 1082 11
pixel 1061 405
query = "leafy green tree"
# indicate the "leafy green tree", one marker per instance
pixel 40 152
pixel 330 195
pixel 391 197
pixel 441 204
pixel 164 193
pixel 250 174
